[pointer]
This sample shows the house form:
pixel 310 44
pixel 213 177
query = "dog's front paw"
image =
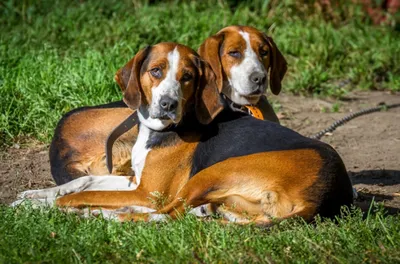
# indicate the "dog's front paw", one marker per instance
pixel 34 203
pixel 36 194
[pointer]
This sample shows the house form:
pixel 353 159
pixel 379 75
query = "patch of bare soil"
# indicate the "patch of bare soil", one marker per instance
pixel 369 146
pixel 23 169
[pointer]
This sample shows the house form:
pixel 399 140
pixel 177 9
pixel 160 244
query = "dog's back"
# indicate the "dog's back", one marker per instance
pixel 77 148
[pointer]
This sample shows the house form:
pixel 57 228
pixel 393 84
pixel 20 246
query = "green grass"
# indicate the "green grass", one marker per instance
pixel 59 55
pixel 51 236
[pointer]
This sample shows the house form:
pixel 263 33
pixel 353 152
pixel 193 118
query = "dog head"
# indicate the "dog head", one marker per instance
pixel 166 81
pixel 241 58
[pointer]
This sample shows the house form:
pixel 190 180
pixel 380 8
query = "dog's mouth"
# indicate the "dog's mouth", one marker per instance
pixel 167 116
pixel 254 97
pixel 251 93
pixel 174 117
pixel 163 118
pixel 242 97
pixel 257 92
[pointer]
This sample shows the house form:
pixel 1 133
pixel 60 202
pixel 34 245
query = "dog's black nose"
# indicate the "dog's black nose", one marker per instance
pixel 168 104
pixel 258 78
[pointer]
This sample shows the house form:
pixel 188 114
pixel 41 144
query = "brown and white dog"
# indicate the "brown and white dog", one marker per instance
pixel 195 151
pixel 240 56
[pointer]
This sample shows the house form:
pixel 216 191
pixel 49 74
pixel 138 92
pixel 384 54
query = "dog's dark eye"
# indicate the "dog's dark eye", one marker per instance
pixel 235 54
pixel 263 53
pixel 186 77
pixel 156 72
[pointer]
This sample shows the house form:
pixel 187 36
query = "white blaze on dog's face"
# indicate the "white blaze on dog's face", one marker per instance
pixel 242 57
pixel 248 77
pixel 161 79
pixel 165 106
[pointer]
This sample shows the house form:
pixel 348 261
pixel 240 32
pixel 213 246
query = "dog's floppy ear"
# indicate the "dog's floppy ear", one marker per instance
pixel 128 79
pixel 278 67
pixel 208 102
pixel 209 51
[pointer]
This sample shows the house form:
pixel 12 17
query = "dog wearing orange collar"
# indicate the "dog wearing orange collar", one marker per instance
pixel 197 153
pixel 244 61
pixel 241 57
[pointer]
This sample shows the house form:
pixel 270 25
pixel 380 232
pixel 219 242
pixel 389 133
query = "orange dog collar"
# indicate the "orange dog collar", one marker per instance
pixel 254 111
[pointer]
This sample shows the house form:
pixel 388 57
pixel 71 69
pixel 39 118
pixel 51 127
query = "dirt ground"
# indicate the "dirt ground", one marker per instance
pixel 369 146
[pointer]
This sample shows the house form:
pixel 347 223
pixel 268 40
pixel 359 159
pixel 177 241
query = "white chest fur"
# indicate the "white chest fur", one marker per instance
pixel 139 152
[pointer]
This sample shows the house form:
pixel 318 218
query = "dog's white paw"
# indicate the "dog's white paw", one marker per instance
pixel 26 195
pixel 37 194
pixel 34 203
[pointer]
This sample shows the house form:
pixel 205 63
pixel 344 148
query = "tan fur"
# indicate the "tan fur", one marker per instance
pixel 268 187
pixel 156 177
pixel 85 133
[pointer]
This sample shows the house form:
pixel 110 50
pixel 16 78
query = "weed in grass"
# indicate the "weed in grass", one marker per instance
pixel 335 107
pixel 159 200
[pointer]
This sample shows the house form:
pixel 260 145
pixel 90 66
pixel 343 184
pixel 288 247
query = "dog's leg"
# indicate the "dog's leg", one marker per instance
pixel 109 214
pixel 85 183
pixel 245 192
pixel 106 199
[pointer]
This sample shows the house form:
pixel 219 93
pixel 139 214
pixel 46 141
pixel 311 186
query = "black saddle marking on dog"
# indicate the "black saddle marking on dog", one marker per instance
pixel 235 135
